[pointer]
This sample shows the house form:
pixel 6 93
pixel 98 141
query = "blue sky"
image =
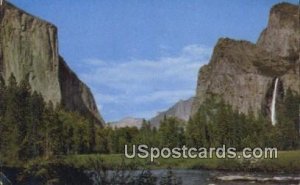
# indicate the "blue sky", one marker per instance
pixel 141 56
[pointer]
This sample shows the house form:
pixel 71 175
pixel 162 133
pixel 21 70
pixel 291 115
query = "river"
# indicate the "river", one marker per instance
pixel 207 177
pixel 210 177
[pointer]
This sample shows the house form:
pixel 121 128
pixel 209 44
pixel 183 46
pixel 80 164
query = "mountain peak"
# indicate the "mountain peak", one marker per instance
pixel 281 36
pixel 128 122
pixel 181 110
pixel 10 8
pixel 285 9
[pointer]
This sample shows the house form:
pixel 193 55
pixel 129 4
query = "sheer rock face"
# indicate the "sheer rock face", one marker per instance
pixel 76 96
pixel 243 73
pixel 281 37
pixel 29 49
pixel 181 110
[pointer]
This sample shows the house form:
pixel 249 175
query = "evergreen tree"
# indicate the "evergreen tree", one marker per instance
pixel 24 119
pixel 171 133
pixel 104 140
pixel 92 136
pixel 34 108
pixel 11 121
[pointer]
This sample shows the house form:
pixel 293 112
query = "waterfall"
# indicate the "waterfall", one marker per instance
pixel 273 105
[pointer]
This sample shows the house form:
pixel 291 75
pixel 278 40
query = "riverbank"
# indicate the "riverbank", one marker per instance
pixel 287 162
pixel 73 168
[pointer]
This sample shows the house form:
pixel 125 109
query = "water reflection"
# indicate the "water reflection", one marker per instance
pixel 205 177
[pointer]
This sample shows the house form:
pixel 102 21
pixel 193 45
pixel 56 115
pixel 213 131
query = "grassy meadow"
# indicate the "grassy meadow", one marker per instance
pixel 287 161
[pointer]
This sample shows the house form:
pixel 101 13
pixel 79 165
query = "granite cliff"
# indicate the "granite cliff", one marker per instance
pixel 181 110
pixel 243 73
pixel 29 49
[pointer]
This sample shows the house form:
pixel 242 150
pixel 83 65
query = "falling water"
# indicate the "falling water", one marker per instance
pixel 273 105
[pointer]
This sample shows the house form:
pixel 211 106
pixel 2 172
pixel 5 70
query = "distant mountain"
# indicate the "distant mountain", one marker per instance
pixel 128 122
pixel 181 110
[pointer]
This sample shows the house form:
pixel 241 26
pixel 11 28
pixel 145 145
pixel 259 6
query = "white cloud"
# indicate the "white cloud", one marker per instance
pixel 137 83
pixel 166 96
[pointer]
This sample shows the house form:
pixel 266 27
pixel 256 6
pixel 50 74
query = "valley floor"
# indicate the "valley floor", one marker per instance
pixel 287 162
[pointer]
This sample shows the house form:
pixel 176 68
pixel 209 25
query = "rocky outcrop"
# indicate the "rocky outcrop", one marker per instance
pixel 281 37
pixel 29 48
pixel 243 73
pixel 181 110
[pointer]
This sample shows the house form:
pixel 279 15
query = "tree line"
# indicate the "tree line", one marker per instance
pixel 215 124
pixel 32 128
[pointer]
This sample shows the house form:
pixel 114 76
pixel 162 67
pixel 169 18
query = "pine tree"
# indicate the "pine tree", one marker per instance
pixel 197 129
pixel 2 111
pixel 52 129
pixel 23 98
pixel 11 120
pixel 34 128
pixel 92 136
pixel 171 133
